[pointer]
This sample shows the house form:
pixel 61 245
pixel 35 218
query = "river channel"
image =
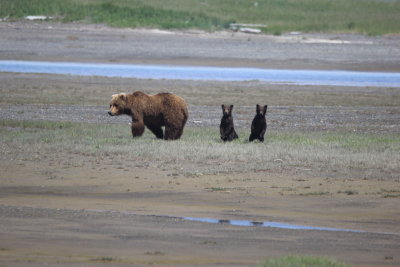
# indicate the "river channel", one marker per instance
pixel 276 76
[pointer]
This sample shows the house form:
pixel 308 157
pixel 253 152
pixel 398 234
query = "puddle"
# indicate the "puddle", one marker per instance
pixel 269 224
pixel 243 223
pixel 275 76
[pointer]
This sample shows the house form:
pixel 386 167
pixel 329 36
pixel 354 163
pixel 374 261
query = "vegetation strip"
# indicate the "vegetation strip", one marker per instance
pixel 372 17
pixel 315 151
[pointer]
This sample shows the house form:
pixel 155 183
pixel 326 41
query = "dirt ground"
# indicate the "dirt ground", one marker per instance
pixel 69 209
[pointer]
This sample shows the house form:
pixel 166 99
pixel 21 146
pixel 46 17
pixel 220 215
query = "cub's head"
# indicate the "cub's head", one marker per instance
pixel 227 110
pixel 118 104
pixel 261 113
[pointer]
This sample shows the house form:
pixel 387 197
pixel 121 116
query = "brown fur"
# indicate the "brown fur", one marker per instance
pixel 226 128
pixel 259 124
pixel 152 111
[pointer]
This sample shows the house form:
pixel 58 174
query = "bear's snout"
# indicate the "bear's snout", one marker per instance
pixel 109 113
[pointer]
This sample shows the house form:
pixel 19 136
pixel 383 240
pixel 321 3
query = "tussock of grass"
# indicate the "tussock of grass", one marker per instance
pixel 318 193
pixel 368 17
pixel 390 193
pixel 302 261
pixel 203 152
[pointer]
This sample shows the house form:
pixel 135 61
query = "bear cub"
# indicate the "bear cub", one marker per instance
pixel 227 130
pixel 153 111
pixel 259 124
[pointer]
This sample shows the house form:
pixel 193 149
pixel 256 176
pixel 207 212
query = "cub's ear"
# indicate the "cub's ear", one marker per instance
pixel 265 109
pixel 258 110
pixel 230 109
pixel 223 107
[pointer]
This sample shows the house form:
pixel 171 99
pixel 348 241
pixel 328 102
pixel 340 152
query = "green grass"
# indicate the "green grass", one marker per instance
pixel 200 149
pixel 119 14
pixel 362 16
pixel 302 261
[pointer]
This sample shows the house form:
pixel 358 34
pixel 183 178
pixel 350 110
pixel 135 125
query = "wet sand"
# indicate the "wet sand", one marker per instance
pixel 63 209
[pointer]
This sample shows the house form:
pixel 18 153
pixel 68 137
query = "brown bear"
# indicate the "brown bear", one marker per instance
pixel 153 111
pixel 259 124
pixel 226 127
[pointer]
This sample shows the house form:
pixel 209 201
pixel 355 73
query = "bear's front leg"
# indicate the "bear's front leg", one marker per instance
pixel 137 128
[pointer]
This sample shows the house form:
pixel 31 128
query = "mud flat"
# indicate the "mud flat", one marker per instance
pixel 59 207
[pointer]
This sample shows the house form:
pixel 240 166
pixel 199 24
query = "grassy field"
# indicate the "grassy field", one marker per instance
pixel 373 17
pixel 203 152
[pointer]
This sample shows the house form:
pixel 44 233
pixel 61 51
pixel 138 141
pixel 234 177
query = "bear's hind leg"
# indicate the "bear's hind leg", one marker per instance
pixel 251 138
pixel 156 130
pixel 172 133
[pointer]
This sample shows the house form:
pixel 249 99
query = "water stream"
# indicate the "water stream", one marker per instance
pixel 300 77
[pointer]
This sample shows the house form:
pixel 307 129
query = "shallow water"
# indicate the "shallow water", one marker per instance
pixel 300 77
pixel 269 224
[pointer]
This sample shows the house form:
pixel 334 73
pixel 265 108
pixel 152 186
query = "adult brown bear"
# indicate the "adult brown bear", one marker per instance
pixel 153 111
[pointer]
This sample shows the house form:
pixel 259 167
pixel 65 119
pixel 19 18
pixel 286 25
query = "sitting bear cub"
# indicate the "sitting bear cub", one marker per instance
pixel 259 124
pixel 152 111
pixel 226 127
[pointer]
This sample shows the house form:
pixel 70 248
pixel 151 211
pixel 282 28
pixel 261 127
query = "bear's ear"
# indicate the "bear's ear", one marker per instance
pixel 122 96
pixel 223 107
pixel 265 109
pixel 230 109
pixel 258 110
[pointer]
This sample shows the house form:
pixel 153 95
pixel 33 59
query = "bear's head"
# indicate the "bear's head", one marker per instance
pixel 261 113
pixel 227 110
pixel 118 105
